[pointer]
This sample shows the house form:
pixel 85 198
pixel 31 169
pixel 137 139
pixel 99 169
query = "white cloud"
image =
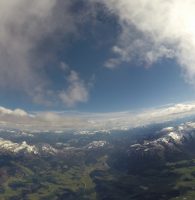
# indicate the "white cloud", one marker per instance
pixel 24 26
pixel 155 29
pixel 55 121
pixel 16 112
pixel 76 92
pixel 151 30
pixel 166 113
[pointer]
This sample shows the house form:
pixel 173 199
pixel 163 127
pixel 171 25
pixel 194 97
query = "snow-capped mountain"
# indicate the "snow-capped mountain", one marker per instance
pixel 159 143
pixel 169 139
pixel 96 144
pixel 12 147
pixel 7 146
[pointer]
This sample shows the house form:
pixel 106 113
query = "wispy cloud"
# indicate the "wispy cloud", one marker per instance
pixel 25 26
pixel 150 31
pixel 77 91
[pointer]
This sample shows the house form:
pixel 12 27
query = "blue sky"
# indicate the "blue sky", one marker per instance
pixel 92 57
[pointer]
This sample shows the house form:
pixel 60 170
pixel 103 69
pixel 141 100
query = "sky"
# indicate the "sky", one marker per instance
pixel 96 56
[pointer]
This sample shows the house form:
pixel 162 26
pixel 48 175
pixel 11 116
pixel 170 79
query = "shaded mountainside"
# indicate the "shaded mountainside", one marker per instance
pixel 147 163
pixel 170 144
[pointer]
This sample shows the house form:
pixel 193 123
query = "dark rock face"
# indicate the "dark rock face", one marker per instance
pixel 170 144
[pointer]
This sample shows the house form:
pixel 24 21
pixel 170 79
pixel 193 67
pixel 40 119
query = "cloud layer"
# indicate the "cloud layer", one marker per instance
pixel 55 121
